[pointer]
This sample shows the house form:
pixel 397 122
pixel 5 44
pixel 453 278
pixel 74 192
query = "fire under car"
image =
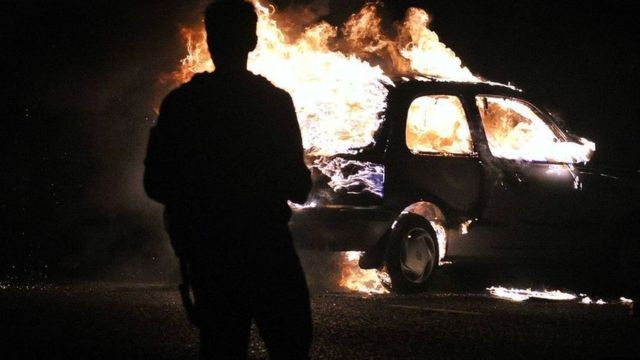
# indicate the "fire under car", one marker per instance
pixel 468 172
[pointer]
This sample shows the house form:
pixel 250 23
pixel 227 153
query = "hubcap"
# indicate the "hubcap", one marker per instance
pixel 417 254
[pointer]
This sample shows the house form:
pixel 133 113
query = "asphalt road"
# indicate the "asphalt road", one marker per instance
pixel 139 321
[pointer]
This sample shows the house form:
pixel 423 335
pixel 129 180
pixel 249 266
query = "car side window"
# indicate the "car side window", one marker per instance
pixel 514 129
pixel 438 124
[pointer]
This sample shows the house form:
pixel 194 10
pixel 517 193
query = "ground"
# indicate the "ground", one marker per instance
pixel 100 320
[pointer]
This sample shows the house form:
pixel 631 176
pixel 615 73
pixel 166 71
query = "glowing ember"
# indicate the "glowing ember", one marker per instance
pixel 307 205
pixel 356 279
pixel 624 300
pixel 526 294
pixel 464 227
pixel 587 300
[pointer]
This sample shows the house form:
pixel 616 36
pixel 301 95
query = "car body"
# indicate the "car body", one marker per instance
pixel 474 195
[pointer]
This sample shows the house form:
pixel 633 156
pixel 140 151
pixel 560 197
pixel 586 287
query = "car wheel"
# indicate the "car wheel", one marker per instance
pixel 412 254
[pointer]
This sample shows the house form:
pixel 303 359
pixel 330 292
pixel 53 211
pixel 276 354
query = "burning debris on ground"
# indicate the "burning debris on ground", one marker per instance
pixel 118 321
pixel 360 280
pixel 518 295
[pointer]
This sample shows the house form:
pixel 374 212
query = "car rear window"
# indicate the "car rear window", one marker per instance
pixel 438 124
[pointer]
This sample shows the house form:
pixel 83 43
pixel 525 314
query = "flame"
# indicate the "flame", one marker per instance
pixel 426 54
pixel 519 295
pixel 198 58
pixel 464 226
pixel 625 300
pixel 338 94
pixel 362 177
pixel 441 236
pixel 587 300
pixel 526 294
pixel 515 131
pixel 356 279
pixel 438 124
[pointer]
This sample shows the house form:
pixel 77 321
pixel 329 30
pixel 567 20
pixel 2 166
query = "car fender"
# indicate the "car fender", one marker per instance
pixel 435 217
pixel 426 211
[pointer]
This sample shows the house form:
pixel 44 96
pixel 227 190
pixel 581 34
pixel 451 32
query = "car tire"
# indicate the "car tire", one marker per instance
pixel 412 254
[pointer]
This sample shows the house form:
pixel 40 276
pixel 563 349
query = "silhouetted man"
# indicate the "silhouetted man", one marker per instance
pixel 224 158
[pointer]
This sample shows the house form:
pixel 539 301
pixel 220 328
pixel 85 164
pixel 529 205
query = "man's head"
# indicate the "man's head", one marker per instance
pixel 231 32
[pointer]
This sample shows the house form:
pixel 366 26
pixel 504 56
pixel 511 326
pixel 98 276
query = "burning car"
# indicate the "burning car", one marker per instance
pixel 467 171
pixel 416 161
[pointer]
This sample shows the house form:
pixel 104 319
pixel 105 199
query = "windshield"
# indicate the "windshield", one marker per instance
pixel 516 130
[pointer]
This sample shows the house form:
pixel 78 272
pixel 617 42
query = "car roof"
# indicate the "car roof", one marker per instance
pixel 435 85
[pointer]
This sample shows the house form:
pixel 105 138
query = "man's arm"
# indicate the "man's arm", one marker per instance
pixel 165 170
pixel 162 163
pixel 298 180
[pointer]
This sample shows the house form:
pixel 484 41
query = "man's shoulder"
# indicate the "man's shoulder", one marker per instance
pixel 207 83
pixel 197 82
pixel 268 88
pixel 191 87
pixel 274 87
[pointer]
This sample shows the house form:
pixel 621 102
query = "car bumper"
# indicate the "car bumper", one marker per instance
pixel 339 228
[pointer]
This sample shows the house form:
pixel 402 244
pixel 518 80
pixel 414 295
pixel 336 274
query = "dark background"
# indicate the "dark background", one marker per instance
pixel 83 78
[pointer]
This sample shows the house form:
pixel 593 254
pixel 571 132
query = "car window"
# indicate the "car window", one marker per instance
pixel 438 124
pixel 514 129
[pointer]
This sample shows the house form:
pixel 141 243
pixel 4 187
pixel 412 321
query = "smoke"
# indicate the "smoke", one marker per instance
pixel 88 106
pixel 83 99
pixel 79 126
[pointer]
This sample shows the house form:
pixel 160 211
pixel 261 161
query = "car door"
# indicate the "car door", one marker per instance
pixel 533 188
pixel 431 156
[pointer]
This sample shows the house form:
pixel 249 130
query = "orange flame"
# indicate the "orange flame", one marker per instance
pixel 356 279
pixel 515 131
pixel 518 295
pixel 339 95
pixel 426 54
pixel 197 59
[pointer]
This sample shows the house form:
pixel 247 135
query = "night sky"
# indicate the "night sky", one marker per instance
pixel 82 80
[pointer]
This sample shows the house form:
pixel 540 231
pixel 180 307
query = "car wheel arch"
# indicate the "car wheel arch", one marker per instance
pixel 434 219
